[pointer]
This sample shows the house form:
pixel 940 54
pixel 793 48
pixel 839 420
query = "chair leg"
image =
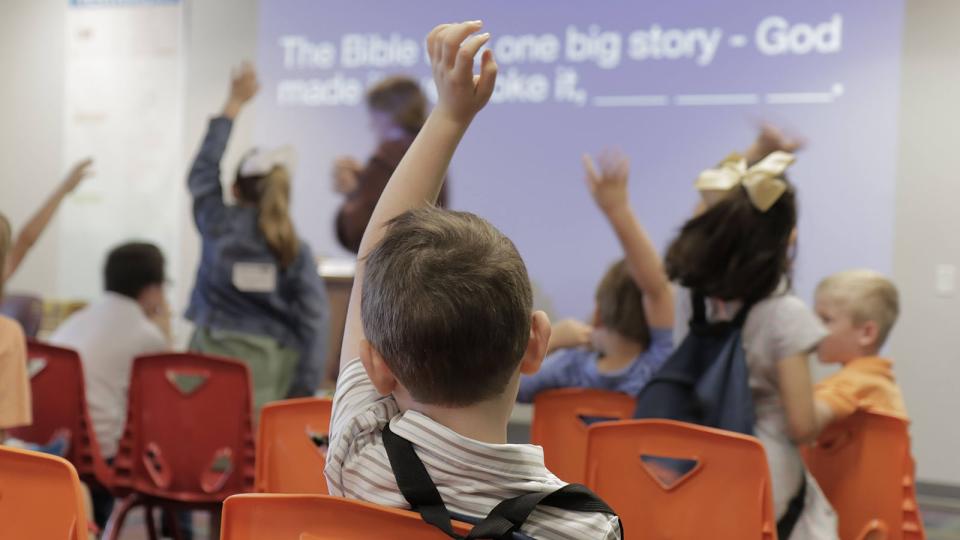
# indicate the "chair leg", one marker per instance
pixel 151 523
pixel 215 516
pixel 119 515
pixel 171 517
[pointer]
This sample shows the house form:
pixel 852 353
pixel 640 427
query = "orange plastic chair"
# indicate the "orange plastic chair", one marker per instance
pixel 291 446
pixel 560 422
pixel 60 402
pixel 188 441
pixel 864 466
pixel 675 480
pixel 320 517
pixel 40 497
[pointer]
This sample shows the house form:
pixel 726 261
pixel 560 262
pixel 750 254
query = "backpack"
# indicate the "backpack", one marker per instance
pixel 503 522
pixel 705 381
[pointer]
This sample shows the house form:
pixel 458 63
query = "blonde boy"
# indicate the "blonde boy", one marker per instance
pixel 859 308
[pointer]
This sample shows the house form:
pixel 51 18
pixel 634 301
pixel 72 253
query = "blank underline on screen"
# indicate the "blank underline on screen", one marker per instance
pixel 631 101
pixel 800 98
pixel 698 100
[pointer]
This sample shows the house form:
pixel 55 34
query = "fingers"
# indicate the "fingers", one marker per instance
pixel 433 42
pixel 463 67
pixel 487 80
pixel 452 37
pixel 588 165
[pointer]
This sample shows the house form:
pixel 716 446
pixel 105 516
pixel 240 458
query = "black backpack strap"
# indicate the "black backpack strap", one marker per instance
pixel 789 520
pixel 505 519
pixel 415 483
pixel 699 304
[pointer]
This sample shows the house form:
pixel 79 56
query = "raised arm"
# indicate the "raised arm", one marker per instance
pixel 771 139
pixel 417 180
pixel 608 185
pixel 204 179
pixel 31 232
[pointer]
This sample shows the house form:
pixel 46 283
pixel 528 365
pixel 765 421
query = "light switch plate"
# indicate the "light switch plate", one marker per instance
pixel 946 279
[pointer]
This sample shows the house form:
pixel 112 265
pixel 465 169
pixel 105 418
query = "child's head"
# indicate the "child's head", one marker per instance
pixel 263 181
pixel 859 308
pixel 620 305
pixel 397 102
pixel 447 308
pixel 135 270
pixel 733 250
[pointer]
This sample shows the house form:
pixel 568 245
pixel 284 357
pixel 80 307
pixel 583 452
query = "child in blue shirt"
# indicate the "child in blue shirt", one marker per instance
pixel 632 331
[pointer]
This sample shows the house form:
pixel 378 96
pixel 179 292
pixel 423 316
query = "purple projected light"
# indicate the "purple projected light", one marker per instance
pixel 676 85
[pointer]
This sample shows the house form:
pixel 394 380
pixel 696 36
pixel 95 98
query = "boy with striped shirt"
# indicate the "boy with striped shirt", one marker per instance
pixel 439 329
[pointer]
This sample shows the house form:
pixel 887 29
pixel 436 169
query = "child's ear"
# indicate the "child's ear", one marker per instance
pixel 537 345
pixel 869 334
pixel 378 371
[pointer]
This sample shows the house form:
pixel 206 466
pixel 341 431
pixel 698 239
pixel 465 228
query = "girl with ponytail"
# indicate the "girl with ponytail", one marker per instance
pixel 258 296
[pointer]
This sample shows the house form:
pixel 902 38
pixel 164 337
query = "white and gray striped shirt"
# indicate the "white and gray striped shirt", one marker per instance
pixel 471 476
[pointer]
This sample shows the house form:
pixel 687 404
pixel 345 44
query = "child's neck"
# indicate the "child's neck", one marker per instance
pixel 866 352
pixel 617 352
pixel 485 421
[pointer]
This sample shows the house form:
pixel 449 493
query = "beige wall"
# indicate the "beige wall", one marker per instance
pixel 926 344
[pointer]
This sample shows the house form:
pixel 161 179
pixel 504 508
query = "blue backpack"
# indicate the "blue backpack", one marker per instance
pixel 705 381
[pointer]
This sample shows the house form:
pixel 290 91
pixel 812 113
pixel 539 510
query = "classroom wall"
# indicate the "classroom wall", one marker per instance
pixel 926 344
pixel 220 33
pixel 31 119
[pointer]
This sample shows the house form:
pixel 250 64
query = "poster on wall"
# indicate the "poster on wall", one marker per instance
pixel 123 108
pixel 676 85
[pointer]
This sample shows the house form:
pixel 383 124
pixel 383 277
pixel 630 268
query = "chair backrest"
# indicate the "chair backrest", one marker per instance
pixel 40 497
pixel 188 435
pixel 25 309
pixel 676 480
pixel 560 422
pixel 320 517
pixel 60 402
pixel 864 466
pixel 291 446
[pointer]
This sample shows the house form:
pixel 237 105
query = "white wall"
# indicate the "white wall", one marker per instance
pixel 31 119
pixel 220 33
pixel 926 343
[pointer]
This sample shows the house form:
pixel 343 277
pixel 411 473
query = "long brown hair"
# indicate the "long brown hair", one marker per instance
pixel 271 194
pixel 6 238
pixel 732 251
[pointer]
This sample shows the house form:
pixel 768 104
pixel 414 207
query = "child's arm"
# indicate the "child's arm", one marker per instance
pixel 796 394
pixel 569 333
pixel 204 179
pixel 769 140
pixel 416 182
pixel 38 223
pixel 608 185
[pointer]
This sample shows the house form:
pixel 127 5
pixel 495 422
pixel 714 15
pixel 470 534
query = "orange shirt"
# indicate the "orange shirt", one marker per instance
pixel 15 410
pixel 864 383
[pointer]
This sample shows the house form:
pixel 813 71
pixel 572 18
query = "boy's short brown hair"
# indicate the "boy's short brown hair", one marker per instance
pixel 402 98
pixel 864 295
pixel 447 302
pixel 620 304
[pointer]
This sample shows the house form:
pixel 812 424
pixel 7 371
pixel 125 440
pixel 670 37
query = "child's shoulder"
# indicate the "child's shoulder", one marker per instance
pixel 10 329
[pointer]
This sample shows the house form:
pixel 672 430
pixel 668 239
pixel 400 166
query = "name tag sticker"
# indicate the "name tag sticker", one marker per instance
pixel 255 277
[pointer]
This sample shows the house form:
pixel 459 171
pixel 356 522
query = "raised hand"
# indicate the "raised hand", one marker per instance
pixel 608 182
pixel 80 170
pixel 243 87
pixel 772 139
pixel 452 49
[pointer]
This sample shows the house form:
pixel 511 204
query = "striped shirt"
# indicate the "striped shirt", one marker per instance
pixel 471 476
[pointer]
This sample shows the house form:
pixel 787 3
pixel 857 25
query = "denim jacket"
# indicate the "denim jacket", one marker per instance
pixel 294 312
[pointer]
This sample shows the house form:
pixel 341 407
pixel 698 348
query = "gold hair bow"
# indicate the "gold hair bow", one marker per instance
pixel 762 181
